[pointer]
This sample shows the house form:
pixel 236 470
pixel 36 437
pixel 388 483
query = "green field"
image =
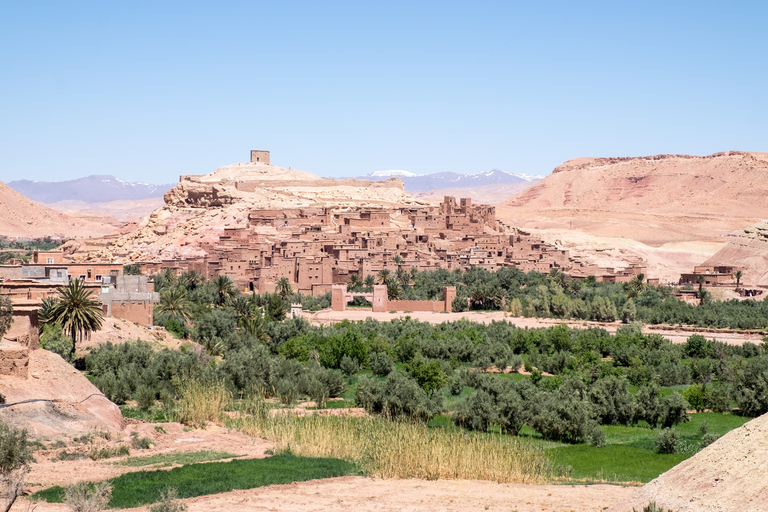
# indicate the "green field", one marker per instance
pixel 629 454
pixel 144 487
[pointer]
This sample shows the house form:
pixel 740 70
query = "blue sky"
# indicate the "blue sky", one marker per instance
pixel 150 90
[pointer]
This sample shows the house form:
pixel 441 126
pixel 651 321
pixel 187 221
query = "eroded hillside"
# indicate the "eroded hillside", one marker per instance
pixel 22 217
pixel 655 199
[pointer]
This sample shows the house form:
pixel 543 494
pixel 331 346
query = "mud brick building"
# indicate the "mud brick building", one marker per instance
pixel 319 247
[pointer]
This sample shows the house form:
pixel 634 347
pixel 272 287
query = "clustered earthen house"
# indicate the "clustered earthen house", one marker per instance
pixel 318 247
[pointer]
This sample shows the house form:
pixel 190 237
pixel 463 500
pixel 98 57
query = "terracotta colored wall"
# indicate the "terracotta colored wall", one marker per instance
pixel 140 313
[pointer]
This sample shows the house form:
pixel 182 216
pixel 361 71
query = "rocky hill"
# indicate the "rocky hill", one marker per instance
pixel 655 199
pixel 200 207
pixel 22 217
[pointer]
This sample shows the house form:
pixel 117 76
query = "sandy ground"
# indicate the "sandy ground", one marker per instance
pixel 675 335
pixel 360 493
pixel 117 330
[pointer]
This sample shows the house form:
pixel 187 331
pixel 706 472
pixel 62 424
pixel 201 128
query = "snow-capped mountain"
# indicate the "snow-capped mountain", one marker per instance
pixel 420 182
pixel 392 174
pixel 91 189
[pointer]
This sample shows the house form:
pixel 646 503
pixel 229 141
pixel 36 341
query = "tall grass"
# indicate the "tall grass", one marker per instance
pixel 396 449
pixel 201 402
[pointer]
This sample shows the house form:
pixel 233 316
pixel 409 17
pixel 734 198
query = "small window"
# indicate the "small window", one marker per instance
pixel 98 278
pixel 49 260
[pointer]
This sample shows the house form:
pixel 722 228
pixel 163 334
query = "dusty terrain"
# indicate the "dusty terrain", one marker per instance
pixel 655 200
pixel 22 217
pixel 728 475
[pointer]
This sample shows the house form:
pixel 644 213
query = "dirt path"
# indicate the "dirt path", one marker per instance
pixel 675 335
pixel 370 494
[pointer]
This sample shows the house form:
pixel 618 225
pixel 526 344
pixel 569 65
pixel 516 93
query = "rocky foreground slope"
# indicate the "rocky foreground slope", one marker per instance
pixel 729 475
pixel 653 199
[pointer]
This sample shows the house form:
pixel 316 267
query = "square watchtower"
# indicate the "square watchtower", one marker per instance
pixel 259 157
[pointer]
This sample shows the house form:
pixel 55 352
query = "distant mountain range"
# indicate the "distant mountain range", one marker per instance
pixel 442 180
pixel 91 189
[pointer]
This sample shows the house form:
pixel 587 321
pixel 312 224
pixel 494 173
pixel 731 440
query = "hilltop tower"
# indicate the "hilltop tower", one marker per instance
pixel 259 157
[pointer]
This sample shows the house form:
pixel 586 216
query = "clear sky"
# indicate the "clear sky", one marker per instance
pixel 150 90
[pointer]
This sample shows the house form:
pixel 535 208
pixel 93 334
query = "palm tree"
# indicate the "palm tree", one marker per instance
pixel 394 292
pixel 77 313
pixel 191 279
pixel 354 282
pixel 169 275
pixel 402 276
pixel 175 302
pixel 284 288
pixel 383 276
pixel 635 286
pixel 738 275
pixel 369 281
pixel 225 288
pixel 44 314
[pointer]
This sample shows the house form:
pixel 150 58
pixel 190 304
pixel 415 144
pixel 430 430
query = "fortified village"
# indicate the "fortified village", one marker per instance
pixel 372 226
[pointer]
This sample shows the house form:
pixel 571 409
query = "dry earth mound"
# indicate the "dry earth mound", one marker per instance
pixel 200 207
pixel 77 406
pixel 22 217
pixel 728 475
pixel 655 199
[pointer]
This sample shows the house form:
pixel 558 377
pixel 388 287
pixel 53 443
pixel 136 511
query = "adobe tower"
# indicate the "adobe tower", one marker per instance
pixel 259 157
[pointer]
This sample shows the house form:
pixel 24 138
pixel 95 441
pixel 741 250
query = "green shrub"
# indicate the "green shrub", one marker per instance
pixel 397 396
pixel 696 395
pixel 54 340
pixel 349 366
pixel 427 374
pixel 145 397
pixel 15 452
pixel 673 410
pixel 381 364
pixel 666 441
pixel 596 437
pixel 613 402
